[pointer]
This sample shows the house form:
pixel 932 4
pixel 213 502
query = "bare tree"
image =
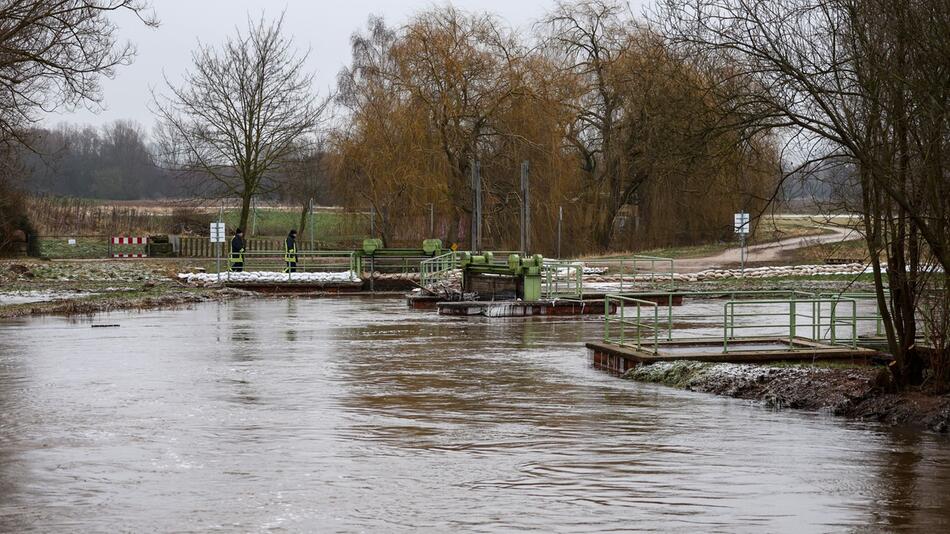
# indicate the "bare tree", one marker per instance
pixel 53 53
pixel 240 114
pixel 862 83
pixel 591 39
pixel 307 178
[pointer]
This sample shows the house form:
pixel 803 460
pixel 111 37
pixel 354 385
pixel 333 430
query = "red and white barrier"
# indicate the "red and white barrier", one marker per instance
pixel 140 241
pixel 129 240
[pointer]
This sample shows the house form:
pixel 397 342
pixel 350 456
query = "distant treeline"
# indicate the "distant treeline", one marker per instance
pixel 111 162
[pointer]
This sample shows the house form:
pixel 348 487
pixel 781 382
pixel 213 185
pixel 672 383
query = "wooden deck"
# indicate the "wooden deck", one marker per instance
pixel 590 304
pixel 620 359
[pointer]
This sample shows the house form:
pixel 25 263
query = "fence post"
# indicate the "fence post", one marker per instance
pixel 834 322
pixel 725 327
pixel 792 315
pixel 639 320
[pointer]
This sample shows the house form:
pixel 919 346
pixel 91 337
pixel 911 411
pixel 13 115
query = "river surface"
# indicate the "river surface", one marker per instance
pixel 359 415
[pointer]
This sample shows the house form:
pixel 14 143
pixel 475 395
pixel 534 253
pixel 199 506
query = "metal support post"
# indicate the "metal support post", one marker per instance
pixel 477 169
pixel 742 254
pixel 560 220
pixel 525 208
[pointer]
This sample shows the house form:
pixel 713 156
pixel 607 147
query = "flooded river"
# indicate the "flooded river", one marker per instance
pixel 363 416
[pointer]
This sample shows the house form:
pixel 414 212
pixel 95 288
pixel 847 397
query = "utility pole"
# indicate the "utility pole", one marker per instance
pixel 560 220
pixel 431 220
pixel 525 208
pixel 476 206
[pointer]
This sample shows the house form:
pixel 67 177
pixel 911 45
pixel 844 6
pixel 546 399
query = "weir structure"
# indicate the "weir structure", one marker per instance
pixel 367 268
pixel 495 285
pixel 738 327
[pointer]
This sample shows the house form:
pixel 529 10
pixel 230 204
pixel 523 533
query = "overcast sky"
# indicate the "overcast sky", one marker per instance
pixel 323 26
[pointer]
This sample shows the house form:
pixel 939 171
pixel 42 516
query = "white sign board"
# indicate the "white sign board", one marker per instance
pixel 72 242
pixel 742 223
pixel 218 233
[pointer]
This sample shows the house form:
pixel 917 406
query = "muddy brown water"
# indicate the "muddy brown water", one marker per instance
pixel 359 415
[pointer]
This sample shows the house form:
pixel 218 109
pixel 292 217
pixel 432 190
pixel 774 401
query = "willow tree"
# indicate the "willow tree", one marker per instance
pixel 239 115
pixel 422 100
pixel 683 167
pixel 455 68
pixel 641 115
pixel 377 151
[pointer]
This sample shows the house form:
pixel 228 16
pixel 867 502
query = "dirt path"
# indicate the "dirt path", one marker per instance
pixel 765 252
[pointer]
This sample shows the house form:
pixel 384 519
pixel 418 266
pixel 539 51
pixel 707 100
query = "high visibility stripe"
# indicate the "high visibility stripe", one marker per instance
pixel 129 240
pixel 130 255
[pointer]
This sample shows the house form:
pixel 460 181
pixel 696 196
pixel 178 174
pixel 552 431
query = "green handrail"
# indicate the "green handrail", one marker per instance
pixel 620 304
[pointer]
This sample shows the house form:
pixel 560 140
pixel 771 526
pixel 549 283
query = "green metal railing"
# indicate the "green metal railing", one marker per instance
pixel 873 316
pixel 671 297
pixel 807 314
pixel 562 279
pixel 434 271
pixel 780 315
pixel 655 270
pixel 631 318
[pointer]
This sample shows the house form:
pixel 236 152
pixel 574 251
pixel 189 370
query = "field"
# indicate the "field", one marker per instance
pixel 85 247
pixel 92 222
pixel 855 249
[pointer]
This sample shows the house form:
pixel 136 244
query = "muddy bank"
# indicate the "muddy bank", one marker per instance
pixel 33 287
pixel 148 298
pixel 849 391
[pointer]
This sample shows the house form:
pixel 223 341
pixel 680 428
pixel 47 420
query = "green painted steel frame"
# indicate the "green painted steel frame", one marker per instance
pixel 562 279
pixel 800 305
pixel 620 304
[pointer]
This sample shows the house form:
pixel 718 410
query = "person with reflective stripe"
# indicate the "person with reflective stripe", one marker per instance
pixel 290 252
pixel 236 258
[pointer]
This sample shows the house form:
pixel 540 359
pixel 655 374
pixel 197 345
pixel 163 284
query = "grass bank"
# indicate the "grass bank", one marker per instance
pixel 35 287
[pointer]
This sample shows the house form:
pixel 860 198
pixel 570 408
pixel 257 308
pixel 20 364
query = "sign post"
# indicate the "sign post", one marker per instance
pixel 217 236
pixel 741 224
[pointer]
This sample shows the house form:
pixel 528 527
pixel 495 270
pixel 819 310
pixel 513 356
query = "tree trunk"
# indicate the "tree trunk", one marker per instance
pixel 303 220
pixel 245 211
pixel 604 225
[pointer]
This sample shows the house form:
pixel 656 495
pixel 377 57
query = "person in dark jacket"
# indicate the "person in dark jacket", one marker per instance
pixel 290 252
pixel 236 258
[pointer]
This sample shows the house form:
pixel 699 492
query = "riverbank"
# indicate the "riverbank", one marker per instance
pixel 34 287
pixel 39 287
pixel 858 392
